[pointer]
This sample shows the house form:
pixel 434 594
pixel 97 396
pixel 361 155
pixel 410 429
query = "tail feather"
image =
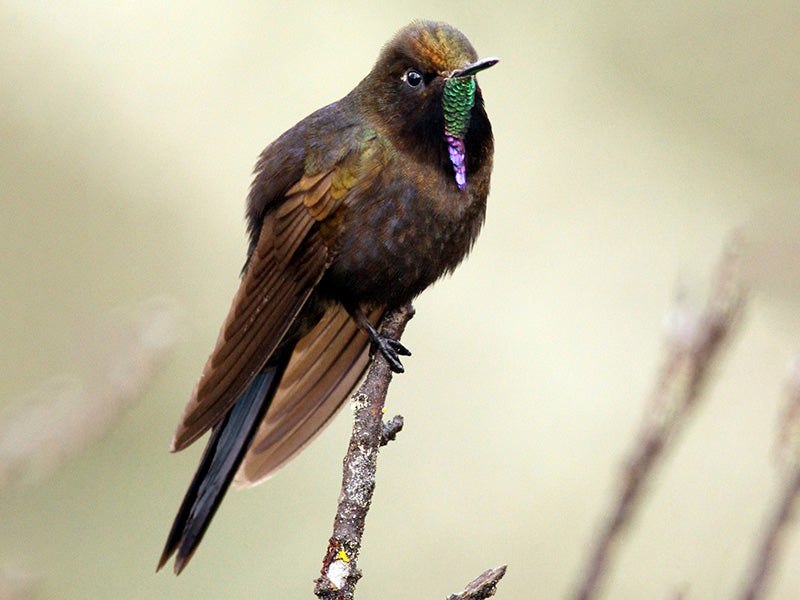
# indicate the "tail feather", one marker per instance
pixel 224 453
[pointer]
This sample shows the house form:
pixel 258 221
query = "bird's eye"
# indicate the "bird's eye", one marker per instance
pixel 413 78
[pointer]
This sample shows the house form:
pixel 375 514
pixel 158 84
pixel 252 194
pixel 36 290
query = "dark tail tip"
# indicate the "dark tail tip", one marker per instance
pixel 180 562
pixel 181 559
pixel 162 561
pixel 224 453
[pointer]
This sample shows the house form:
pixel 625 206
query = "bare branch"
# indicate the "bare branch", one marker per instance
pixel 483 586
pixel 789 447
pixel 340 573
pixel 694 345
pixel 769 547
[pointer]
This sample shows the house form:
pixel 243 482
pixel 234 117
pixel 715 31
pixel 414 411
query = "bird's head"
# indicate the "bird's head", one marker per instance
pixel 423 89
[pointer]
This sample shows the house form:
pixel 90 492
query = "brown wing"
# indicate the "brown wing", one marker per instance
pixel 285 266
pixel 325 367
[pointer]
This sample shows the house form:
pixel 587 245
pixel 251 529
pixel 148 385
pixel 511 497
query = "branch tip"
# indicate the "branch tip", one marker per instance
pixel 390 429
pixel 483 586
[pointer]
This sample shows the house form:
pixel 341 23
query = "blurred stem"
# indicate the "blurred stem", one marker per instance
pixel 770 544
pixel 691 354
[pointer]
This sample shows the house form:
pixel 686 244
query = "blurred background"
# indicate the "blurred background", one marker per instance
pixel 631 140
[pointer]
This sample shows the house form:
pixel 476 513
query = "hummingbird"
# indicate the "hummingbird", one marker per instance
pixel 352 212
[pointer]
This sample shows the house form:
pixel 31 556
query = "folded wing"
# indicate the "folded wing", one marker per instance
pixel 287 263
pixel 325 367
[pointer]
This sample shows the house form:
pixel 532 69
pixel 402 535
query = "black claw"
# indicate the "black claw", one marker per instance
pixel 395 365
pixel 390 349
pixel 401 350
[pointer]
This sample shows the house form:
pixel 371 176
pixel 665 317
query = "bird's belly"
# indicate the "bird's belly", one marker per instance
pixel 390 252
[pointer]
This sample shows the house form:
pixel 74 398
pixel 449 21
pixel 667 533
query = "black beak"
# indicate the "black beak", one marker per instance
pixel 478 65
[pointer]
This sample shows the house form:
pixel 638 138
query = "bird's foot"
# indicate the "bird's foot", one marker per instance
pixel 391 350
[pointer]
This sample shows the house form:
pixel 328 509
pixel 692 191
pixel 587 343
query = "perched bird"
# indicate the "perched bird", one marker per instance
pixel 353 211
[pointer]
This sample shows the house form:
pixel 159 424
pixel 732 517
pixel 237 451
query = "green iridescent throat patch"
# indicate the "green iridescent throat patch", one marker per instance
pixel 458 99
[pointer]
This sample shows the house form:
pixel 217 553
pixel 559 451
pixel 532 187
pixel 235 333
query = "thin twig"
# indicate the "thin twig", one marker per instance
pixel 483 586
pixel 768 550
pixel 340 572
pixel 789 454
pixel 694 346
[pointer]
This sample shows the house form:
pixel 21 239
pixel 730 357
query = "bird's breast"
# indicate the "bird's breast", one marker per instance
pixel 401 234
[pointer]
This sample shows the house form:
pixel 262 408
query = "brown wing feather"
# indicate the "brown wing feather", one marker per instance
pixel 325 367
pixel 289 259
pixel 287 263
